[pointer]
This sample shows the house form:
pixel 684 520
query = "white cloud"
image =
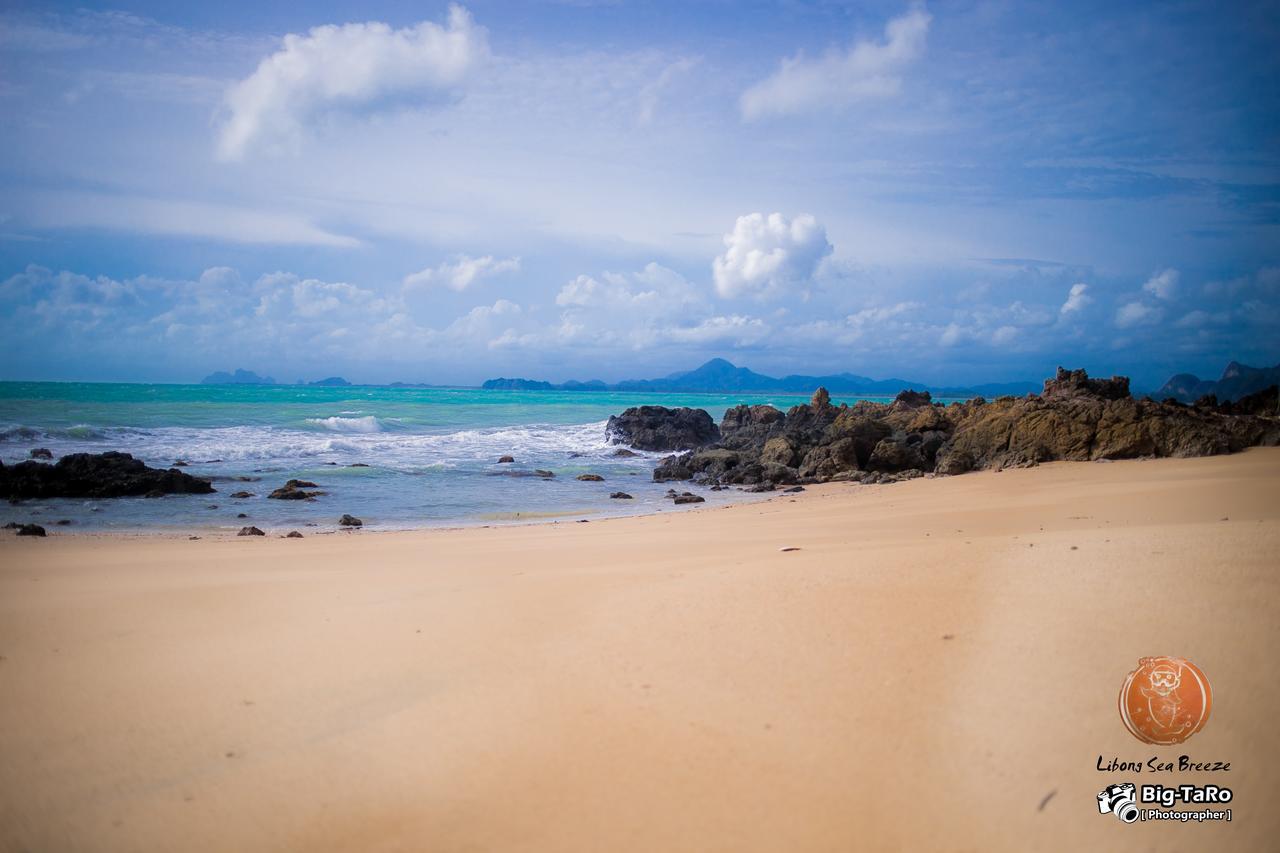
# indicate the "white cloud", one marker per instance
pixel 1162 284
pixel 233 224
pixel 765 256
pixel 654 291
pixel 288 297
pixel 352 67
pixel 1077 298
pixel 650 94
pixel 1004 335
pixel 867 69
pixel 734 330
pixel 1137 314
pixel 952 335
pixel 462 272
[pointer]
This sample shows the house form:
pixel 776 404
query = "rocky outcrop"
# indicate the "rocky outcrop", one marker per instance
pixel 1075 418
pixel 95 475
pixel 294 490
pixel 590 478
pixel 660 428
pixel 348 520
pixel 41 453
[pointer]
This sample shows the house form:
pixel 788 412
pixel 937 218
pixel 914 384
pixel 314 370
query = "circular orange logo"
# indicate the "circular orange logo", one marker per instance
pixel 1165 700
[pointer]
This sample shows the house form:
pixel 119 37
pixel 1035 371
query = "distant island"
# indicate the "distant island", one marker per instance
pixel 1237 381
pixel 330 382
pixel 719 375
pixel 240 377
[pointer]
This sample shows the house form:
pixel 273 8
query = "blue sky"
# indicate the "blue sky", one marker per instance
pixel 950 192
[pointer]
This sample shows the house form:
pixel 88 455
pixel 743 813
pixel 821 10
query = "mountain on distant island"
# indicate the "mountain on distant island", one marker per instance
pixel 1238 380
pixel 719 375
pixel 240 377
pixel 330 382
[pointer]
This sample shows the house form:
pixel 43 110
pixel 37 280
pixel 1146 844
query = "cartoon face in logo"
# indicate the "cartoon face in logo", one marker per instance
pixel 1165 700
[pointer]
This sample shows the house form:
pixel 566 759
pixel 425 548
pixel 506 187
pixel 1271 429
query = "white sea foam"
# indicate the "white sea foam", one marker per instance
pixel 338 424
pixel 339 440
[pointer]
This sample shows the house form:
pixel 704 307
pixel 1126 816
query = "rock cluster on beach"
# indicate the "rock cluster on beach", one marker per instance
pixel 95 475
pixel 1075 417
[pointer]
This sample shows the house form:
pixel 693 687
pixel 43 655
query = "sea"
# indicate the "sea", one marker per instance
pixel 397 458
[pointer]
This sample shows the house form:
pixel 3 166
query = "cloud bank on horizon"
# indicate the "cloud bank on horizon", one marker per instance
pixel 960 193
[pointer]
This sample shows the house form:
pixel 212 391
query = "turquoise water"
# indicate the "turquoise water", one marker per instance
pixel 431 453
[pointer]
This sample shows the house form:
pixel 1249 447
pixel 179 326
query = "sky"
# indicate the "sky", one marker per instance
pixel 948 192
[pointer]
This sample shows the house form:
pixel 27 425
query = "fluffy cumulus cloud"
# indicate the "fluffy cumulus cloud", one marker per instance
pixel 1077 298
pixel 461 272
pixel 766 256
pixel 635 309
pixel 348 68
pixel 1163 284
pixel 865 70
pixel 1137 313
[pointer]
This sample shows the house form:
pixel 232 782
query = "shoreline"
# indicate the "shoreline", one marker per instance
pixel 742 497
pixel 935 668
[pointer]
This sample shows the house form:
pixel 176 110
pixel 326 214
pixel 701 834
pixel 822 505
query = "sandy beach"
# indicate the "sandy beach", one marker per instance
pixel 935 668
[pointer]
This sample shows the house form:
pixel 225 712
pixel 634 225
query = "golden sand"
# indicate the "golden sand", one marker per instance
pixel 935 669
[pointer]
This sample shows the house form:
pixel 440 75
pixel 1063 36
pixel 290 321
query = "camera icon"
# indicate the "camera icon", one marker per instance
pixel 1120 800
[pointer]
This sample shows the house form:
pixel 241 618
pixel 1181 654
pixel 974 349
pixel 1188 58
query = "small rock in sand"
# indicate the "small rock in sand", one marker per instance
pixel 250 531
pixel 293 534
pixel 785 548
pixel 350 521
pixel 31 530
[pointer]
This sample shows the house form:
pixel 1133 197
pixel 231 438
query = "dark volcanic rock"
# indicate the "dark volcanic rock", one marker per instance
pixel 242 494
pixel 660 428
pixel 250 531
pixel 673 468
pixel 350 521
pixel 294 490
pixel 590 478
pixel 913 398
pixel 293 534
pixel 503 460
pixel 621 496
pixel 623 453
pixel 95 475
pixel 41 453
pixel 688 498
pixel 30 530
pixel 745 427
pixel 1076 383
